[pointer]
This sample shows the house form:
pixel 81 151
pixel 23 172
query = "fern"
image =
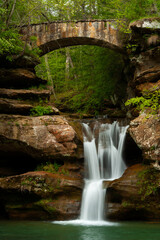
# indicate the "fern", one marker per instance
pixel 149 101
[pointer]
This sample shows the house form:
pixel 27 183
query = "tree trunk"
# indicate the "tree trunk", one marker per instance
pixel 11 13
pixel 156 8
pixel 67 67
pixel 49 75
pixel 69 63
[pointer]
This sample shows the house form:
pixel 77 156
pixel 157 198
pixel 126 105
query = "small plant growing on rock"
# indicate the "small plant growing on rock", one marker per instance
pixel 148 182
pixel 41 110
pixel 149 101
pixel 64 172
pixel 49 167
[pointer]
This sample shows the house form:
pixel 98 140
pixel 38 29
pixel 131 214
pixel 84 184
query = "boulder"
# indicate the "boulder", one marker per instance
pixel 134 196
pixel 40 196
pixel 45 137
pixel 147 66
pixel 148 86
pixel 147 24
pixel 19 78
pixel 150 75
pixel 25 94
pixel 146 133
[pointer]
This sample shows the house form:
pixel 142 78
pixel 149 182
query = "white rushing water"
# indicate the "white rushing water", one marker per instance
pixel 103 159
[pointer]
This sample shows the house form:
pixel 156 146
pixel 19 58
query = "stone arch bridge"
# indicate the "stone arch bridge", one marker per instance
pixel 55 35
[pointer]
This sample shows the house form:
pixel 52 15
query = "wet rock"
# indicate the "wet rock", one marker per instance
pixel 40 196
pixel 45 137
pixel 18 78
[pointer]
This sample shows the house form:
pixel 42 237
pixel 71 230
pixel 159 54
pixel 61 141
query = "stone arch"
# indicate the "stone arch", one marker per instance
pixel 55 35
pixel 76 41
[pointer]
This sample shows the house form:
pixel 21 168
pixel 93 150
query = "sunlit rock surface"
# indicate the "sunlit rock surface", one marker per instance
pixel 146 133
pixel 45 137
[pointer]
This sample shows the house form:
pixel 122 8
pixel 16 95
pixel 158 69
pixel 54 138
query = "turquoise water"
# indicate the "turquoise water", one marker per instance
pixel 28 230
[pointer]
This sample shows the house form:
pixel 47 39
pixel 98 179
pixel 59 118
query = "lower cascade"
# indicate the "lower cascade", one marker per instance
pixel 103 159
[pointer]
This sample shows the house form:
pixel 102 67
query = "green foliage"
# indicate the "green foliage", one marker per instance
pixel 33 51
pixel 53 168
pixel 148 182
pixel 41 110
pixel 149 101
pixel 14 13
pixel 102 9
pixel 49 167
pixel 92 77
pixel 64 172
pixel 10 43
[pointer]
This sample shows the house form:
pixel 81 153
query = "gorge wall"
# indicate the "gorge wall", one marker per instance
pixel 41 163
pixel 135 195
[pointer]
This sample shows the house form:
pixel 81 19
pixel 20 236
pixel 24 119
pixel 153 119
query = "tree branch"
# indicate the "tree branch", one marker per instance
pixel 11 13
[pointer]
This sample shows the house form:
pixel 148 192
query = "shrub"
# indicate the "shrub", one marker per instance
pixel 41 110
pixel 49 167
pixel 149 100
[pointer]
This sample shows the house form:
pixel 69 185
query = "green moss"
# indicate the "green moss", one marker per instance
pixel 58 183
pixel 126 204
pixel 45 204
pixel 64 172
pixel 148 182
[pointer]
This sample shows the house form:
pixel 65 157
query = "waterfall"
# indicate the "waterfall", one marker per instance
pixel 103 160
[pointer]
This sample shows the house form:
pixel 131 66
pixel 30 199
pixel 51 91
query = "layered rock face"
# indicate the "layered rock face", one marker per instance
pixel 19 78
pixel 25 143
pixel 145 129
pixel 41 163
pixel 135 196
pixel 40 196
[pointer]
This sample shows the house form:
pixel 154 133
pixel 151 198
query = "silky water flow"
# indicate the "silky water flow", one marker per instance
pixel 103 160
